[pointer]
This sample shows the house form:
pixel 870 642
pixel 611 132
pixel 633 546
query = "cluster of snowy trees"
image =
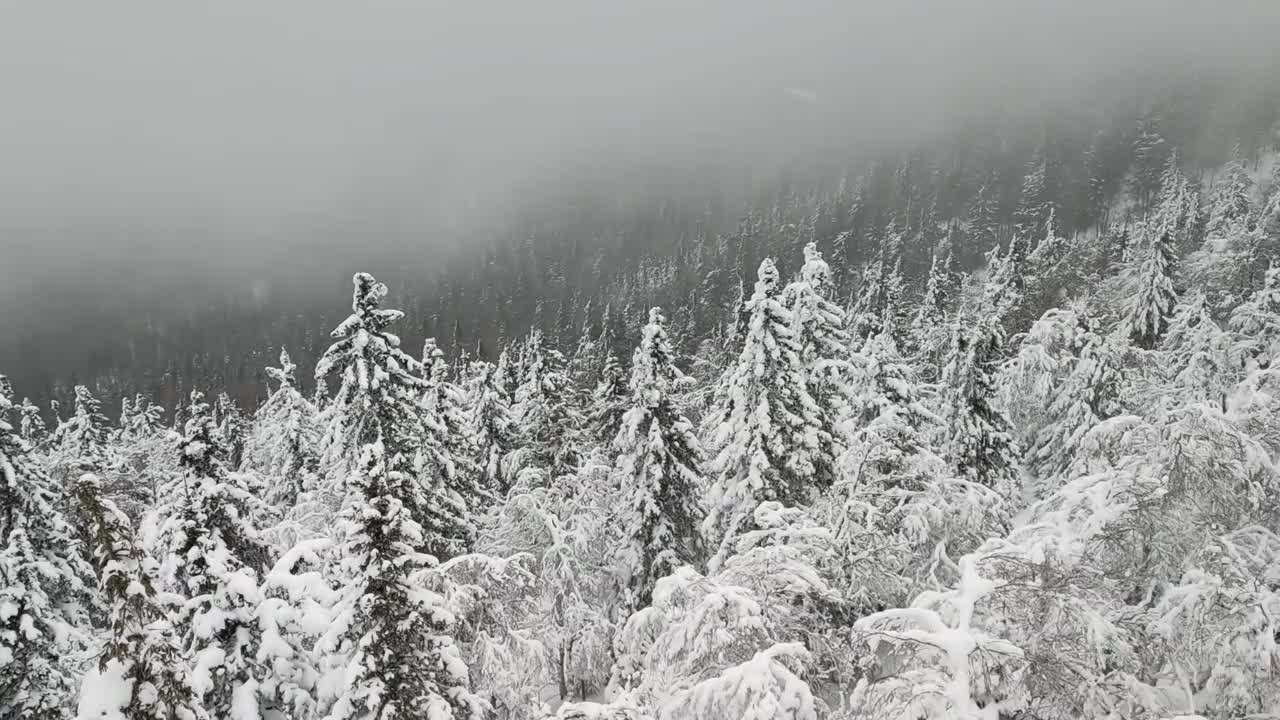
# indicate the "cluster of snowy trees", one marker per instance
pixel 1044 489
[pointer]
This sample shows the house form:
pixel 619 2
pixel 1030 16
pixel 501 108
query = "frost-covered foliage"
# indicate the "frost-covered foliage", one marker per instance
pixel 489 425
pixel 657 467
pixel 43 586
pixel 979 440
pixel 282 443
pixel 1147 314
pixel 204 530
pixel 558 629
pixel 379 399
pixel 1047 490
pixel 388 652
pixel 766 438
pixel 141 646
pixel 81 440
pixel 379 384
pixel 732 644
pixel 545 411
pixel 823 344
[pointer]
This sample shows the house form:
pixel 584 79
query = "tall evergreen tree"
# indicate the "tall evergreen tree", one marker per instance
pixel 979 437
pixel 379 399
pixel 389 643
pixel 205 532
pixel 1151 305
pixel 817 325
pixel 658 458
pixel 43 588
pixel 490 427
pixel 83 439
pixel 141 640
pixel 766 435
pixel 1229 213
pixel 282 443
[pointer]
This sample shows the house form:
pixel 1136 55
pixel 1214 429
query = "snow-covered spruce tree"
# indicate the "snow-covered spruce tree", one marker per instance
pixel 204 533
pixel 1089 394
pixel 1256 325
pixel 445 407
pixel 608 400
pixel 378 385
pixel 31 427
pixel 823 347
pixel 1197 360
pixel 232 426
pixel 545 412
pixel 82 440
pixel 43 589
pixel 388 650
pixel 765 436
pixel 729 644
pixel 928 326
pixel 379 399
pixel 144 419
pixel 657 467
pixel 489 425
pixel 1178 210
pixel 979 439
pixel 281 443
pixel 1147 313
pixel 1232 204
pixel 141 645
pixel 889 421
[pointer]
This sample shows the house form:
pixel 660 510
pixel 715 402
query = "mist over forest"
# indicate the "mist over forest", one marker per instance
pixel 656 361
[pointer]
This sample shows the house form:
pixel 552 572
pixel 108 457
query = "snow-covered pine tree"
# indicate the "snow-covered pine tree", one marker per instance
pixel 379 398
pixel 141 644
pixel 979 439
pixel 233 428
pixel 489 425
pixel 1178 210
pixel 766 438
pixel 608 399
pixel 379 385
pixel 888 422
pixel 823 347
pixel 1256 324
pixel 1039 187
pixel 1089 394
pixel 445 411
pixel 389 650
pixel 1151 305
pixel 1232 205
pixel 545 411
pixel 43 588
pixel 282 440
pixel 31 427
pixel 657 467
pixel 145 419
pixel 1148 152
pixel 203 531
pixel 940 289
pixel 82 440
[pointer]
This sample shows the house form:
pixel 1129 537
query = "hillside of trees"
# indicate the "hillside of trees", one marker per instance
pixel 987 429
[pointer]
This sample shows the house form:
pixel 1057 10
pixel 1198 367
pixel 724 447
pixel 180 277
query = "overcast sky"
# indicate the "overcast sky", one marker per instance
pixel 247 113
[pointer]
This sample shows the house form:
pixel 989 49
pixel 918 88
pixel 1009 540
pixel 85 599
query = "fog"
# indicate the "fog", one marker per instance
pixel 206 134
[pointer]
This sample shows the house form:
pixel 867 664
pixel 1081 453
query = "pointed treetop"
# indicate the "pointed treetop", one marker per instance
pixel 366 304
pixel 286 374
pixel 767 279
pixel 815 270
